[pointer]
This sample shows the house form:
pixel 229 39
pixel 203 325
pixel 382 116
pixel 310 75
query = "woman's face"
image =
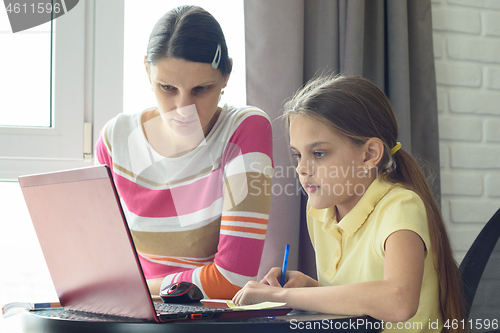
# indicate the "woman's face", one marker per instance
pixel 187 94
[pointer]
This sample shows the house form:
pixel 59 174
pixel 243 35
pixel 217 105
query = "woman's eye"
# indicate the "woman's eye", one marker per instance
pixel 200 89
pixel 167 87
pixel 319 154
pixel 296 156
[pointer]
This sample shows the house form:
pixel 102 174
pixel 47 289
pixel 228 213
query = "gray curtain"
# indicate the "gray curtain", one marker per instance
pixel 290 41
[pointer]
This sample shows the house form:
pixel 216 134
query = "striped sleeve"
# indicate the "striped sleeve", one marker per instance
pixel 102 149
pixel 248 170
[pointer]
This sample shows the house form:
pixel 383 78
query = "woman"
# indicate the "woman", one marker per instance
pixel 192 175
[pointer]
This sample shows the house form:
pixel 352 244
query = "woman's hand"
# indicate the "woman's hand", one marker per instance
pixel 293 279
pixel 154 285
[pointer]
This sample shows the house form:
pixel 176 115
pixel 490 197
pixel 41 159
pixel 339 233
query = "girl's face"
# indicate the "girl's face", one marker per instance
pixel 187 94
pixel 330 167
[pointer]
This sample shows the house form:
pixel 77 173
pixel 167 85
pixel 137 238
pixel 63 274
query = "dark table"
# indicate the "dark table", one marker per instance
pixel 60 321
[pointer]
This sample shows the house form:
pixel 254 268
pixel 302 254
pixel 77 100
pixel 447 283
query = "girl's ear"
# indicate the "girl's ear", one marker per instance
pixel 374 151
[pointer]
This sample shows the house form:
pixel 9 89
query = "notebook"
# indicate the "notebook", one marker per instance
pixel 90 253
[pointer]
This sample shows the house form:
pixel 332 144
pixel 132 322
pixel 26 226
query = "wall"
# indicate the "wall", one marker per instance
pixel 467 54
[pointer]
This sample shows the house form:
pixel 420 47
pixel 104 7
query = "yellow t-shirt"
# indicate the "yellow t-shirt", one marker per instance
pixel 352 250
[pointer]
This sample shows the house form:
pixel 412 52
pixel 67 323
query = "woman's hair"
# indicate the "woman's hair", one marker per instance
pixel 190 33
pixel 357 108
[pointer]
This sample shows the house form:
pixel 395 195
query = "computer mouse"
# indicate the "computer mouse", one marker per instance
pixel 181 292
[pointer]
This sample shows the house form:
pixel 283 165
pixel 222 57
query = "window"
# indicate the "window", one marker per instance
pixel 25 74
pixel 57 140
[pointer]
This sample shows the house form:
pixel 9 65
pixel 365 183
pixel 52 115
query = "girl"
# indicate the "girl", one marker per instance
pixel 380 241
pixel 191 175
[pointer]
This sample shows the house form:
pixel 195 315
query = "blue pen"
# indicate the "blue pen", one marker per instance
pixel 285 263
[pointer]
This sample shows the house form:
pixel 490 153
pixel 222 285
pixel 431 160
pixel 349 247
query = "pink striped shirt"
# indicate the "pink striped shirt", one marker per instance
pixel 201 217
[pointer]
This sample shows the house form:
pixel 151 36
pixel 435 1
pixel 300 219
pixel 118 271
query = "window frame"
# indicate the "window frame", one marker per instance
pixel 87 88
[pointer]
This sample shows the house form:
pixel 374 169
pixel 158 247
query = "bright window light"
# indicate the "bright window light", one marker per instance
pixel 140 18
pixel 25 79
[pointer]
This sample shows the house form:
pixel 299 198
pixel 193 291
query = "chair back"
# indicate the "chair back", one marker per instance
pixel 480 270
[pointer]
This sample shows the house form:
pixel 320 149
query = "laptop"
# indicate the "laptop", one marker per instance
pixel 90 253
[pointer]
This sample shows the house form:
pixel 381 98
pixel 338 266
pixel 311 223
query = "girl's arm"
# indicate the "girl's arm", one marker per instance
pixel 395 298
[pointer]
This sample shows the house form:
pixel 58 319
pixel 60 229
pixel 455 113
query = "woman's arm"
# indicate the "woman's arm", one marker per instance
pixel 245 174
pixel 103 148
pixel 154 285
pixel 247 171
pixel 395 298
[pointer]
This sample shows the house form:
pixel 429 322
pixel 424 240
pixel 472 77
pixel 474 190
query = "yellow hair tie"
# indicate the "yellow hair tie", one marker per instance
pixel 395 148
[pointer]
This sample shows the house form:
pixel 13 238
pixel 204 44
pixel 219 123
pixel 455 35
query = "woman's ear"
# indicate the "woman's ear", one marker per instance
pixel 226 78
pixel 374 151
pixel 146 65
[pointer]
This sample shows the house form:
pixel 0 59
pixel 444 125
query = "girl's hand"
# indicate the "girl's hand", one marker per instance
pixel 293 279
pixel 254 292
pixel 269 288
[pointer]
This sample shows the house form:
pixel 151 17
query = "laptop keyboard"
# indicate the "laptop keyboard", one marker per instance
pixel 60 313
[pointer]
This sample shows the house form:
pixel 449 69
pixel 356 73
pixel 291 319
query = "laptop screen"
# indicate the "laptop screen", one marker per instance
pixel 86 243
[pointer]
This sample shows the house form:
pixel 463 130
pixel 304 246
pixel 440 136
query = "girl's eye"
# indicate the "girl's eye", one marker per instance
pixel 296 156
pixel 319 154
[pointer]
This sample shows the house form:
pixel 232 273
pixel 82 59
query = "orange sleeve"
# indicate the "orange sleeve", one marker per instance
pixel 215 284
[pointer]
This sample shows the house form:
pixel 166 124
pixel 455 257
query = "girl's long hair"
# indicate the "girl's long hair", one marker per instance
pixel 357 108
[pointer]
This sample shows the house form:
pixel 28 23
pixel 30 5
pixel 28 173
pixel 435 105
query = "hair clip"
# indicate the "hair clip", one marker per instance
pixel 218 55
pixel 395 148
